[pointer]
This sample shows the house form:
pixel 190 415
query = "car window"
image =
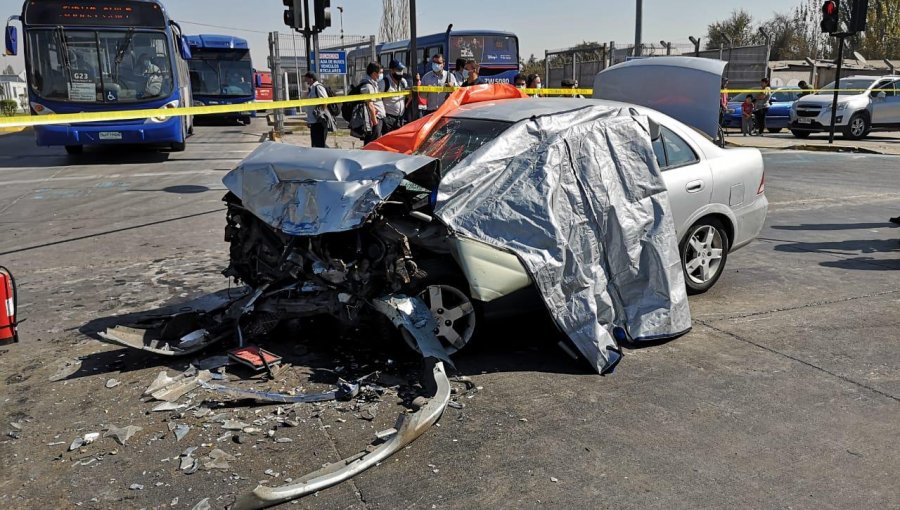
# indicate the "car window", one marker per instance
pixel 660 152
pixel 678 152
pixel 891 89
pixel 455 138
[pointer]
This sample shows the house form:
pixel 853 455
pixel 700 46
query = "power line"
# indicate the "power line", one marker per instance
pixel 220 26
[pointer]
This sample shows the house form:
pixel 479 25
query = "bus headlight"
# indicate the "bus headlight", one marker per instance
pixel 41 109
pixel 172 104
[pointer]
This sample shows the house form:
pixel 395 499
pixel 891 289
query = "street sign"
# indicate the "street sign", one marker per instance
pixel 331 62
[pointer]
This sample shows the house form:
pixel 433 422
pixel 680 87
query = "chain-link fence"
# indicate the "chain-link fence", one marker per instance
pixel 747 65
pixel 580 63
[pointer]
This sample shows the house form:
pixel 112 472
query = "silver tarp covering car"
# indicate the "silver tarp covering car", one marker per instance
pixel 579 198
pixel 307 192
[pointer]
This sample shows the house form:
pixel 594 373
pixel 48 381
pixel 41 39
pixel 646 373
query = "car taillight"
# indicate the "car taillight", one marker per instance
pixel 762 184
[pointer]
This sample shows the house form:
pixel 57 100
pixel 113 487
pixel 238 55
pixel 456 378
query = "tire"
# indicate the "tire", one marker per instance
pixel 182 145
pixel 774 130
pixel 800 134
pixel 704 252
pixel 857 127
pixel 456 315
pixel 74 150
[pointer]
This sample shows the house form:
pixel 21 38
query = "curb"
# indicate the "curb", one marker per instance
pixel 12 130
pixel 854 149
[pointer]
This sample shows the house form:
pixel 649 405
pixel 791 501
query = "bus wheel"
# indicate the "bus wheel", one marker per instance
pixel 74 149
pixel 179 146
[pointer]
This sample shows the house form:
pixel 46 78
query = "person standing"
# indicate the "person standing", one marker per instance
pixel 316 116
pixel 723 102
pixel 519 81
pixel 762 105
pixel 534 82
pixel 746 115
pixel 470 74
pixel 571 84
pixel 437 77
pixel 458 71
pixel 375 107
pixel 395 107
pixel 805 89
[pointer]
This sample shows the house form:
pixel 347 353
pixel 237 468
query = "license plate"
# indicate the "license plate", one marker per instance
pixel 110 135
pixel 802 120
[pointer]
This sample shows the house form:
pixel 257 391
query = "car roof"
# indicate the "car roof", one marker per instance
pixel 515 110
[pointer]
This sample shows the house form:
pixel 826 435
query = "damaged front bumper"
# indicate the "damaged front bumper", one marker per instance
pixel 407 429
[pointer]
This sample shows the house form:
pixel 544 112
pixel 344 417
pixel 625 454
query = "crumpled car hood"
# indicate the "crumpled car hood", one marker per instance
pixel 684 88
pixel 305 192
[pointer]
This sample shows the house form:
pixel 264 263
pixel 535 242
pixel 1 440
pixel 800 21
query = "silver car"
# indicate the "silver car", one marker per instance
pixel 717 195
pixel 864 103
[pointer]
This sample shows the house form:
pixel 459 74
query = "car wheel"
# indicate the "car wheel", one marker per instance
pixel 74 150
pixel 454 313
pixel 704 251
pixel 800 134
pixel 857 127
pixel 774 130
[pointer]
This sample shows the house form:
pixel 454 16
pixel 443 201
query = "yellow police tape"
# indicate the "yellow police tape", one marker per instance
pixel 164 113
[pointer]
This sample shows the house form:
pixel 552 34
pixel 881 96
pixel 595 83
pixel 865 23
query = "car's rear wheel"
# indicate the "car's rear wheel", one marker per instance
pixel 704 251
pixel 800 134
pixel 774 130
pixel 454 313
pixel 857 127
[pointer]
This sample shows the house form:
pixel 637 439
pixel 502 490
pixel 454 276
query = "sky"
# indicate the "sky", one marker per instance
pixel 540 25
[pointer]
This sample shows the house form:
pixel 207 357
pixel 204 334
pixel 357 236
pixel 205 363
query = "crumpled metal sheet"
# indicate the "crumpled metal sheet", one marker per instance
pixel 579 198
pixel 305 192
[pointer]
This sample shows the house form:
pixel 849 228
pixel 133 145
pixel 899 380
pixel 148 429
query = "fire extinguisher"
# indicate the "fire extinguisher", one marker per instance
pixel 8 324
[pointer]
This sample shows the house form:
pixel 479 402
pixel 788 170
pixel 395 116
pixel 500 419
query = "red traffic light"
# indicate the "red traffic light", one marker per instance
pixel 829 8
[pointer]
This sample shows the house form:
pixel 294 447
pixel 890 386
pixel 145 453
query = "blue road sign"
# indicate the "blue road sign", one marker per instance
pixel 331 62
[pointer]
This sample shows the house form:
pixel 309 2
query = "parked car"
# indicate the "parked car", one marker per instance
pixel 864 103
pixel 777 117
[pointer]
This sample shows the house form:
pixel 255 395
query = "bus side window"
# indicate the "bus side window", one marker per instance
pixel 385 60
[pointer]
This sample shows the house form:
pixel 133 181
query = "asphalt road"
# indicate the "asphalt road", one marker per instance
pixel 786 394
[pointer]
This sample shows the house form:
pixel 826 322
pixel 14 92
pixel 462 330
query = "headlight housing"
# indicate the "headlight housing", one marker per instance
pixel 172 104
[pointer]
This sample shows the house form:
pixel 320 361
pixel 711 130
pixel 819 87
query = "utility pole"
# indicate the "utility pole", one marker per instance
pixel 413 57
pixel 341 10
pixel 637 27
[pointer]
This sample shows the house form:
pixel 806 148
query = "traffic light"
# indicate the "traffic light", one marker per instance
pixel 830 17
pixel 293 15
pixel 322 8
pixel 858 11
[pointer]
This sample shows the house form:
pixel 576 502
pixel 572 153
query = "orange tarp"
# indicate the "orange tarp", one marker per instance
pixel 409 137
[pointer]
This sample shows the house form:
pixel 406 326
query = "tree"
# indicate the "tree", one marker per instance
pixel 882 36
pixel 532 66
pixel 738 29
pixel 9 70
pixel 786 32
pixel 394 21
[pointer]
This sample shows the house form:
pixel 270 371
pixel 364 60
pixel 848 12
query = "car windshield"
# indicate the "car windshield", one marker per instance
pixel 785 96
pixel 847 88
pixel 87 66
pixel 456 138
pixel 223 73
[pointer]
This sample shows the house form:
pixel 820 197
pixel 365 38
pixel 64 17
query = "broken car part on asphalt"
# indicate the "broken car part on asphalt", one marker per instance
pixel 408 428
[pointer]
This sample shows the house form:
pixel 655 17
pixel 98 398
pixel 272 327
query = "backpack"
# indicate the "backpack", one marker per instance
pixel 334 109
pixel 348 107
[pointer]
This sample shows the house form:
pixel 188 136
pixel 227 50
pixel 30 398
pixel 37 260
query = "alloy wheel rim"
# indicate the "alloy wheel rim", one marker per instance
pixel 703 255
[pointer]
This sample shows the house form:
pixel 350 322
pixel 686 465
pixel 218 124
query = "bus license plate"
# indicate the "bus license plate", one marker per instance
pixel 110 135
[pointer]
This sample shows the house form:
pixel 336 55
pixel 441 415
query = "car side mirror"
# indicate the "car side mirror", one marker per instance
pixel 12 41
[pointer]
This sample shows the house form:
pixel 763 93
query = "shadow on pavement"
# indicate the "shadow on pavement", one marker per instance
pixel 834 226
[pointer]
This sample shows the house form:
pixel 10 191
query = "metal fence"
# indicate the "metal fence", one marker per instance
pixel 292 58
pixel 580 63
pixel 747 65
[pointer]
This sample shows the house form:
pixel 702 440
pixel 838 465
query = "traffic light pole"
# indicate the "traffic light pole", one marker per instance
pixel 837 86
pixel 413 61
pixel 307 31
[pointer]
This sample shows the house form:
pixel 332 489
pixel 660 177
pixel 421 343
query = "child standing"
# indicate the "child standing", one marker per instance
pixel 746 115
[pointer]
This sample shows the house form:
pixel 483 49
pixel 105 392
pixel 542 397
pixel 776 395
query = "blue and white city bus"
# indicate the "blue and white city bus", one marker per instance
pixel 221 72
pixel 497 53
pixel 100 56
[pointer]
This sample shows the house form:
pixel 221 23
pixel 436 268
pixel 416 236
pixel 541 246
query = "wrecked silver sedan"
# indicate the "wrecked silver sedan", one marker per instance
pixel 567 206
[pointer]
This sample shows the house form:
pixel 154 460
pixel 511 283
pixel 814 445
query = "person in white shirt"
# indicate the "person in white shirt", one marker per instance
pixel 437 77
pixel 376 106
pixel 316 115
pixel 395 107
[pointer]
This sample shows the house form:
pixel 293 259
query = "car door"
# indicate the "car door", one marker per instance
pixel 886 104
pixel 688 177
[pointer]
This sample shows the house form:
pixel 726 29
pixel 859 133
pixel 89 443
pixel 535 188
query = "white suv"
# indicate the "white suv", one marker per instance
pixel 864 103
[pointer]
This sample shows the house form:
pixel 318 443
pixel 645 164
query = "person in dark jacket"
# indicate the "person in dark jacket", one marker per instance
pixel 470 74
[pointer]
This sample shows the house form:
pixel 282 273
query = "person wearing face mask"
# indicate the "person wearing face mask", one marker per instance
pixel 534 82
pixel 519 81
pixel 437 77
pixel 458 71
pixel 376 106
pixel 316 116
pixel 395 107
pixel 470 74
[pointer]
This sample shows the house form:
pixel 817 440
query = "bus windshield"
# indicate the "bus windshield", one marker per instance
pixel 221 73
pixel 99 66
pixel 487 50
